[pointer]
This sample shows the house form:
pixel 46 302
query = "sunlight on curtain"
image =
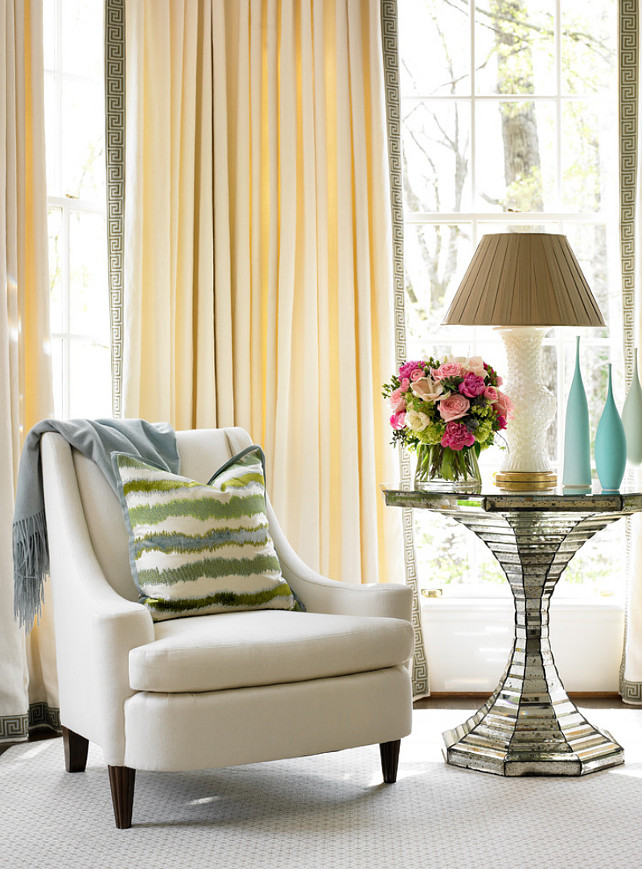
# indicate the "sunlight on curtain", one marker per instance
pixel 25 363
pixel 258 273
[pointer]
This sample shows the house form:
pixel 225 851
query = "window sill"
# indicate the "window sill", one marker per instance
pixel 589 604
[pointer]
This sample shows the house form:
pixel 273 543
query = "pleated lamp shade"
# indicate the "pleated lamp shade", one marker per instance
pixel 524 279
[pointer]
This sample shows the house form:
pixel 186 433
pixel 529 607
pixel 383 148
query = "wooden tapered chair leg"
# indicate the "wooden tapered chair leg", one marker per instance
pixel 390 760
pixel 76 748
pixel 121 781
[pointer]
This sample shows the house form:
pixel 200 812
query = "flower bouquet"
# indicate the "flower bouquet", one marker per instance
pixel 448 412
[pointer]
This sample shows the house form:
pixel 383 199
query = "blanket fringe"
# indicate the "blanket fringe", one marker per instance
pixel 30 568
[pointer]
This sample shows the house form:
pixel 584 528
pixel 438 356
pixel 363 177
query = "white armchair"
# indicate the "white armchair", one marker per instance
pixel 213 690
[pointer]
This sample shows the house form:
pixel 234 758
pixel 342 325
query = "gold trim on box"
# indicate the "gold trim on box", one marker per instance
pixel 535 481
pixel 526 487
pixel 522 476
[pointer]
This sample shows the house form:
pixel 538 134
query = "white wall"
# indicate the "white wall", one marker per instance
pixel 468 642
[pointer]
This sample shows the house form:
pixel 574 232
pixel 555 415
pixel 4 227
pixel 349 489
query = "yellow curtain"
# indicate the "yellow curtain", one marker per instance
pixel 27 671
pixel 258 271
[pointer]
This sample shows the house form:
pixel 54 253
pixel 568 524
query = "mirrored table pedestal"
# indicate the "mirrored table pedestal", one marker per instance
pixel 529 726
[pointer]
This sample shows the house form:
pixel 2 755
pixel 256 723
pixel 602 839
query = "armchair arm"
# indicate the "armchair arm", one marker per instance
pixel 95 627
pixel 320 594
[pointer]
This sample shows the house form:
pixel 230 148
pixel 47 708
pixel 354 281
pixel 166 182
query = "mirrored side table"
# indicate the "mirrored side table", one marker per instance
pixel 529 726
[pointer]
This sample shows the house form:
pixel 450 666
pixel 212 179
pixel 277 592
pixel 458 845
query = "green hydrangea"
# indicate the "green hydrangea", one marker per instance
pixel 482 410
pixel 484 431
pixel 432 434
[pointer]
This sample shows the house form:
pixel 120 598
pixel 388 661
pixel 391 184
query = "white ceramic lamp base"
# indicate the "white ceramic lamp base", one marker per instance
pixel 526 465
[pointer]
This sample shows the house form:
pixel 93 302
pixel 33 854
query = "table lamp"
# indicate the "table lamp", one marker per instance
pixel 524 283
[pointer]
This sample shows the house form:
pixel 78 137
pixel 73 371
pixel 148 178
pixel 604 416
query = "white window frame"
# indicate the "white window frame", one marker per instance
pixel 559 221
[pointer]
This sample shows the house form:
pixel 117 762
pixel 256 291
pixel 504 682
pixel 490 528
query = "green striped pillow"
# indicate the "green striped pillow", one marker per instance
pixel 196 549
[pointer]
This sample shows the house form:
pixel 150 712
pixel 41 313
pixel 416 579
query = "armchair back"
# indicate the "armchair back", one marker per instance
pixel 202 451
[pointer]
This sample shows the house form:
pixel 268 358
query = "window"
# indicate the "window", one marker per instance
pixel 509 121
pixel 74 126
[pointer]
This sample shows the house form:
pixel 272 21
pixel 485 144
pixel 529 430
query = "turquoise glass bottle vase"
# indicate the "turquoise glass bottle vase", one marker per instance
pixel 632 417
pixel 610 444
pixel 577 439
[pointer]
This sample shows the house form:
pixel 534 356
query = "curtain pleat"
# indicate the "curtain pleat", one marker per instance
pixel 258 271
pixel 28 689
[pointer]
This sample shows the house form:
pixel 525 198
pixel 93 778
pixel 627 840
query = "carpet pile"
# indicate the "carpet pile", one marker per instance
pixel 327 812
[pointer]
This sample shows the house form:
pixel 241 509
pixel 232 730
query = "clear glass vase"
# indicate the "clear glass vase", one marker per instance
pixel 440 469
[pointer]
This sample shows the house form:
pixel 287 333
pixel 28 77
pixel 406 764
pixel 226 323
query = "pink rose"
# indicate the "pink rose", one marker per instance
pixel 405 384
pixel 428 389
pixel 417 374
pixel 407 367
pixel 492 394
pixel 453 407
pixel 472 385
pixel 457 436
pixel 398 420
pixel 448 369
pixel 504 406
pixel 501 423
pixel 499 380
pixel 397 401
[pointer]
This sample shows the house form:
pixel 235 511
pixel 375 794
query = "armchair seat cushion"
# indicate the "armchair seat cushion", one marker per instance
pixel 243 649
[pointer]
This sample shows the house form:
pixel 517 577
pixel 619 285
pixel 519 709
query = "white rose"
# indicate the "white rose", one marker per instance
pixel 476 365
pixel 417 421
pixel 470 363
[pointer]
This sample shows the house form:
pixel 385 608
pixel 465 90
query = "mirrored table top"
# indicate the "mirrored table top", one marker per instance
pixel 495 500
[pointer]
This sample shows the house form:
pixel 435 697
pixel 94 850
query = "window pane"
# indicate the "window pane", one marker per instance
pixel 89 376
pixel 514 51
pixel 434 47
pixel 436 256
pixel 436 143
pixel 83 121
pixel 82 38
pixel 74 126
pixel 588 160
pixel 54 223
pixel 89 300
pixel 515 160
pixel 588 46
pixel 600 565
pixel 49 32
pixel 594 252
pixel 449 555
pixel 51 135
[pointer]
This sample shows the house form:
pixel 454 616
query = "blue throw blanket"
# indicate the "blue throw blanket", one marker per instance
pixel 97 439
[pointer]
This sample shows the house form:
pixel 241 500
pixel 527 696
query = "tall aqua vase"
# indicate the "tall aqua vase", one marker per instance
pixel 632 417
pixel 577 438
pixel 610 445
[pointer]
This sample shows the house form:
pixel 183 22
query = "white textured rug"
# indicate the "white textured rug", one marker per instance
pixel 327 812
